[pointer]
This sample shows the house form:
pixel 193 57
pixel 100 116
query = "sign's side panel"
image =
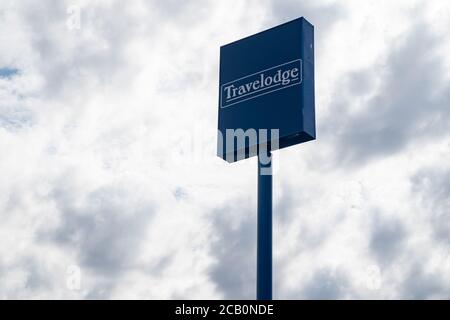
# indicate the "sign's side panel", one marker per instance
pixel 220 131
pixel 308 86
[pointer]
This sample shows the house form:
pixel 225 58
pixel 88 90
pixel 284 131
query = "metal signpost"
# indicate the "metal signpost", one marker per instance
pixel 266 102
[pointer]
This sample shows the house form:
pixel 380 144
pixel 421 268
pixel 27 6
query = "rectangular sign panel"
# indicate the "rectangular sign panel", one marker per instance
pixel 266 91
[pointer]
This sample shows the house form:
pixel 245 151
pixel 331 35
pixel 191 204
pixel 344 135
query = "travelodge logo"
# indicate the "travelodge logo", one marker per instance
pixel 261 83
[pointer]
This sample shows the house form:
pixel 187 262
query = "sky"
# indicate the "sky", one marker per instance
pixel 110 187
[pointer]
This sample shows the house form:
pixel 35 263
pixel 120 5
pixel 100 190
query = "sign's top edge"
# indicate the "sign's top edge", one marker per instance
pixel 266 30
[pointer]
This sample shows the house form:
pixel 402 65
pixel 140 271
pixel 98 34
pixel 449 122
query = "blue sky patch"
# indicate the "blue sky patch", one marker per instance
pixel 8 72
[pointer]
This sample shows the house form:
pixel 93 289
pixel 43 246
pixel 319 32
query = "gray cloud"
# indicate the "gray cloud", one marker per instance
pixel 187 13
pixel 283 207
pixel 386 239
pixel 432 185
pixel 105 230
pixel 422 285
pixel 37 280
pixel 322 16
pixel 326 284
pixel 14 118
pixel 406 108
pixel 235 251
pixel 96 58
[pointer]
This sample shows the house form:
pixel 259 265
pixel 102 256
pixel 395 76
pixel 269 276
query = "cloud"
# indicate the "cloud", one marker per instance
pixel 410 104
pixel 326 284
pixel 387 239
pixel 321 14
pixel 107 161
pixel 107 228
pixel 15 118
pixel 420 285
pixel 234 251
pixel 432 185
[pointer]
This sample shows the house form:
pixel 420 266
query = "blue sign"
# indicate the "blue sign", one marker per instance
pixel 266 94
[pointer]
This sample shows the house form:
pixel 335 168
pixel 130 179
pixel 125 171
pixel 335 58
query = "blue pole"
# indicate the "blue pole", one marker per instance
pixel 264 225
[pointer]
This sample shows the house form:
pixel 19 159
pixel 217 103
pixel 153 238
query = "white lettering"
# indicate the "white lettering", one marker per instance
pixel 279 77
pixel 228 89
